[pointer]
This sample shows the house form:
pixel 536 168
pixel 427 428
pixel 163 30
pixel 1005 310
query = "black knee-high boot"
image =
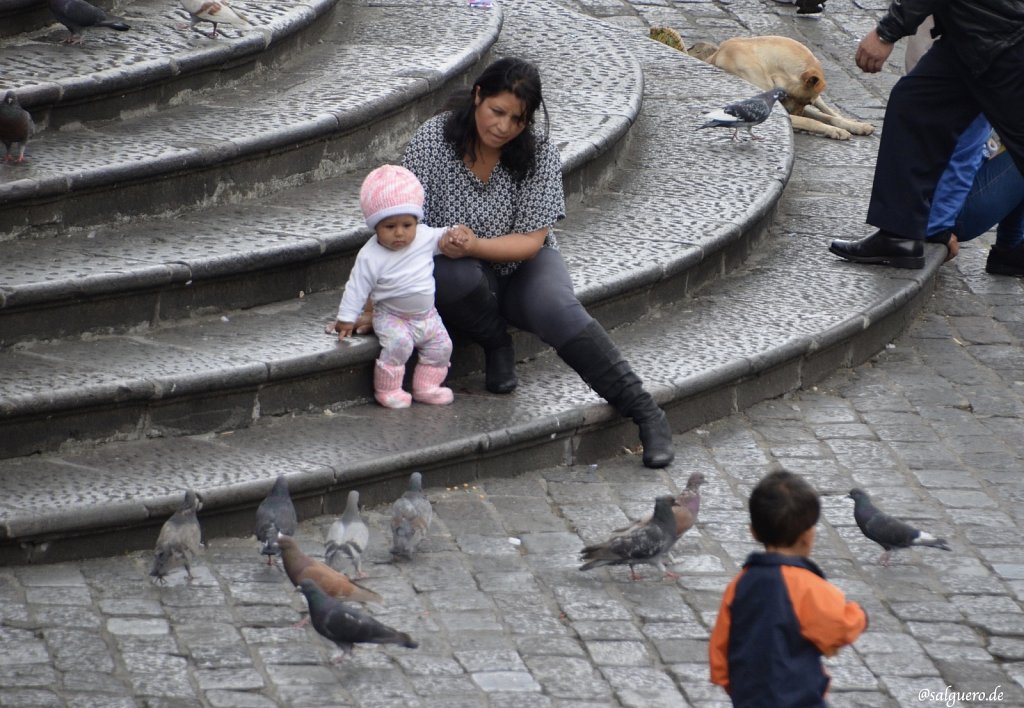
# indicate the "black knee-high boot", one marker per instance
pixel 476 315
pixel 594 356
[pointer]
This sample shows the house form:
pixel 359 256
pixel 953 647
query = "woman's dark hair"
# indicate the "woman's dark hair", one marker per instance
pixel 522 80
pixel 782 506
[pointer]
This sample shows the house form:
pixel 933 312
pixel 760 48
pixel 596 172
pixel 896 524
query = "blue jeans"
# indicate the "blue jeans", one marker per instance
pixel 996 197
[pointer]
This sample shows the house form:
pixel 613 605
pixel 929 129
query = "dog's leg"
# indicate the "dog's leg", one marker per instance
pixel 826 114
pixel 817 127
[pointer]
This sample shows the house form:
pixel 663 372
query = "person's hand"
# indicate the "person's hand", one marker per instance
pixel 458 241
pixel 872 53
pixel 344 329
pixel 953 248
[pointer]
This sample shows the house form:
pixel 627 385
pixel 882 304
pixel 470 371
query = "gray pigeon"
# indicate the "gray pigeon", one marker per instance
pixel 347 537
pixel 275 514
pixel 645 544
pixel 411 515
pixel 16 126
pixel 744 114
pixel 345 625
pixel 888 532
pixel 78 15
pixel 179 540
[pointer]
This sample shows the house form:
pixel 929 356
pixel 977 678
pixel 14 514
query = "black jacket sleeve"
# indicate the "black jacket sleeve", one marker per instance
pixel 904 16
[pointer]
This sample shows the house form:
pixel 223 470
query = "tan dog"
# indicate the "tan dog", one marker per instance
pixel 776 62
pixel 780 62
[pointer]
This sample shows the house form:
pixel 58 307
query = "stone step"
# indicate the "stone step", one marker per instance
pixel 303 239
pixel 302 123
pixel 17 16
pixel 122 74
pixel 771 326
pixel 627 244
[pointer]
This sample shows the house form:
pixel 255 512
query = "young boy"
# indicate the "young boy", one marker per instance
pixel 780 615
pixel 395 269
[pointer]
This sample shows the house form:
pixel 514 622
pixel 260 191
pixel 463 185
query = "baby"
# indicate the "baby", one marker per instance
pixel 395 270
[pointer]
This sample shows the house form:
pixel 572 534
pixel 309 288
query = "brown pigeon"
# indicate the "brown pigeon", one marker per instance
pixel 301 567
pixel 16 126
pixel 685 507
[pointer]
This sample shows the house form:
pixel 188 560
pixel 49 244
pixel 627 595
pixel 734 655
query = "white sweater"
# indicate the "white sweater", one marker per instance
pixel 402 280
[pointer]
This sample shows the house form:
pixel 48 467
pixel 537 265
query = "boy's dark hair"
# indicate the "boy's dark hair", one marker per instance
pixel 522 80
pixel 782 506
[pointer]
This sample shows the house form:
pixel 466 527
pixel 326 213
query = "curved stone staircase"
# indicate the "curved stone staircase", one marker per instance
pixel 168 268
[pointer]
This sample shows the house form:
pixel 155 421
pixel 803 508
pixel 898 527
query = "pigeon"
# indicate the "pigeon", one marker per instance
pixel 685 508
pixel 889 532
pixel 301 567
pixel 410 518
pixel 744 114
pixel 16 126
pixel 78 15
pixel 216 13
pixel 645 544
pixel 275 514
pixel 347 537
pixel 345 625
pixel 180 538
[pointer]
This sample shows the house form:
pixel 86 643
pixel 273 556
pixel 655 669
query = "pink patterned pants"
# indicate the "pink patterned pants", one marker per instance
pixel 399 333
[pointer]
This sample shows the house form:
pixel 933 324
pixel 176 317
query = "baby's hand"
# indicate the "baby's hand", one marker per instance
pixel 344 329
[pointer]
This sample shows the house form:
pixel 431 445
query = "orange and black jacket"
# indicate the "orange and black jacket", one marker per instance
pixel 777 618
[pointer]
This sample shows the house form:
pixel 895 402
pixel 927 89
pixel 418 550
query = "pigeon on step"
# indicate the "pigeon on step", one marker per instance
pixel 275 514
pixel 889 532
pixel 411 515
pixel 301 567
pixel 216 13
pixel 179 540
pixel 345 625
pixel 16 126
pixel 645 544
pixel 78 16
pixel 347 537
pixel 744 114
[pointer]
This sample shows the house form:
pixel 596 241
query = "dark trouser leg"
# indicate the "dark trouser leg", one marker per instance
pixel 926 112
pixel 539 298
pixel 467 302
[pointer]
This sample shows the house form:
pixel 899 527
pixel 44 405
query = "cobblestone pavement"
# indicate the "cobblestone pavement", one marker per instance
pixel 932 427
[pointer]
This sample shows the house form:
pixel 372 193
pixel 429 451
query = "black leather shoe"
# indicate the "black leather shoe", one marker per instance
pixel 883 248
pixel 1005 261
pixel 500 375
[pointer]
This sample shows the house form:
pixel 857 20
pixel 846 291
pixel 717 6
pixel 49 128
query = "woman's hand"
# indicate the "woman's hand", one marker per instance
pixel 458 241
pixel 364 323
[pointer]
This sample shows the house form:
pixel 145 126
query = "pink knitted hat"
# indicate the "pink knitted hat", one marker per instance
pixel 388 191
